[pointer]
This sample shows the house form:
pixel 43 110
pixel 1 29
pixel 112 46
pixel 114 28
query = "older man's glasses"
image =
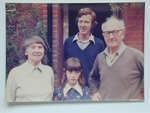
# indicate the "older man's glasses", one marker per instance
pixel 114 33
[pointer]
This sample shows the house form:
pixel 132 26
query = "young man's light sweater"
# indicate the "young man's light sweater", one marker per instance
pixel 86 56
pixel 122 80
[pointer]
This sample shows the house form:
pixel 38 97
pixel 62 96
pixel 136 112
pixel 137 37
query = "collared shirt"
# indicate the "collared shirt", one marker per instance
pixel 83 44
pixel 29 83
pixel 69 93
pixel 32 69
pixel 110 60
pixel 77 87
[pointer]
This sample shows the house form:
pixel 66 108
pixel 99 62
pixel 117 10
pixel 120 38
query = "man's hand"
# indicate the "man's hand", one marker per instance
pixel 96 97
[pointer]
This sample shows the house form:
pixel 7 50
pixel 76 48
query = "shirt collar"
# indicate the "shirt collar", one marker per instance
pixel 77 87
pixel 30 67
pixel 121 49
pixel 76 38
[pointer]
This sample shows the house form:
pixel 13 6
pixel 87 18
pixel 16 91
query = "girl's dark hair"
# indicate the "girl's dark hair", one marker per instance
pixel 87 11
pixel 73 64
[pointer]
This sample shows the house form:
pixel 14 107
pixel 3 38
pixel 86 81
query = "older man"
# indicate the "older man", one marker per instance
pixel 118 71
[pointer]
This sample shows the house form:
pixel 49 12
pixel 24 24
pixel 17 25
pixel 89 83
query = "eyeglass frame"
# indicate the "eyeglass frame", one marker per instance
pixel 112 32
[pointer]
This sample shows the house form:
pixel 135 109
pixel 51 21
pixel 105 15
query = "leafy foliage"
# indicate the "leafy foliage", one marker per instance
pixel 22 20
pixel 116 7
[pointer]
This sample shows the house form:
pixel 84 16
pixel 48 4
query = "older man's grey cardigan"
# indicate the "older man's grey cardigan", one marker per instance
pixel 121 81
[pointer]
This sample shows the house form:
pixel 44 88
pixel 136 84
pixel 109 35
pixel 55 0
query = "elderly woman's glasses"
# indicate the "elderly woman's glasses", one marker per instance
pixel 114 33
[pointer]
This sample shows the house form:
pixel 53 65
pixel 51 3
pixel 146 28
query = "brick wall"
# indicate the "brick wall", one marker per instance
pixel 134 22
pixel 57 36
pixel 42 12
pixel 57 43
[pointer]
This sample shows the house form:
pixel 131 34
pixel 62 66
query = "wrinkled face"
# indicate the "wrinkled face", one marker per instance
pixel 35 53
pixel 85 24
pixel 113 34
pixel 72 77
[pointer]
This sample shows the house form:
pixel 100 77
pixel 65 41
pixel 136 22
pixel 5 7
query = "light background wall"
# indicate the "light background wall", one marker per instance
pixel 92 107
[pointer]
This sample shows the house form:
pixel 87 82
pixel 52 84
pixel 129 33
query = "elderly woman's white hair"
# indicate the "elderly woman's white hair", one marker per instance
pixel 114 19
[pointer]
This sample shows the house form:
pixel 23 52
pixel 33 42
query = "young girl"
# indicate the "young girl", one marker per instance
pixel 72 83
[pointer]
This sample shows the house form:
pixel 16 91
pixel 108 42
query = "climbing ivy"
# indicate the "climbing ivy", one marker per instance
pixel 22 20
pixel 116 7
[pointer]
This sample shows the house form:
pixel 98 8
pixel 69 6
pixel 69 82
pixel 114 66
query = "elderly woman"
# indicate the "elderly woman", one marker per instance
pixel 31 81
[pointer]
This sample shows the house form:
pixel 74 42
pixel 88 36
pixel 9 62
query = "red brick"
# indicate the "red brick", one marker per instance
pixel 130 43
pixel 135 8
pixel 139 43
pixel 55 6
pixel 139 23
pixel 45 5
pixel 135 18
pixel 55 34
pixel 56 37
pixel 55 17
pixel 56 43
pixel 134 39
pixel 134 28
pixel 57 58
pixel 57 68
pixel 55 22
pixel 55 28
pixel 57 48
pixel 129 33
pixel 56 53
pixel 45 16
pixel 139 33
pixel 44 13
pixel 140 12
pixel 55 12
pixel 44 22
pixel 39 5
pixel 129 12
pixel 57 77
pixel 130 23
pixel 44 8
pixel 55 63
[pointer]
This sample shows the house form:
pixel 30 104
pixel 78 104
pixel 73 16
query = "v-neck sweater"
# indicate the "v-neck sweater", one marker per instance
pixel 86 56
pixel 122 80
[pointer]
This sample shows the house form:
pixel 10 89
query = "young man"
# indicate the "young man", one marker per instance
pixel 118 71
pixel 84 45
